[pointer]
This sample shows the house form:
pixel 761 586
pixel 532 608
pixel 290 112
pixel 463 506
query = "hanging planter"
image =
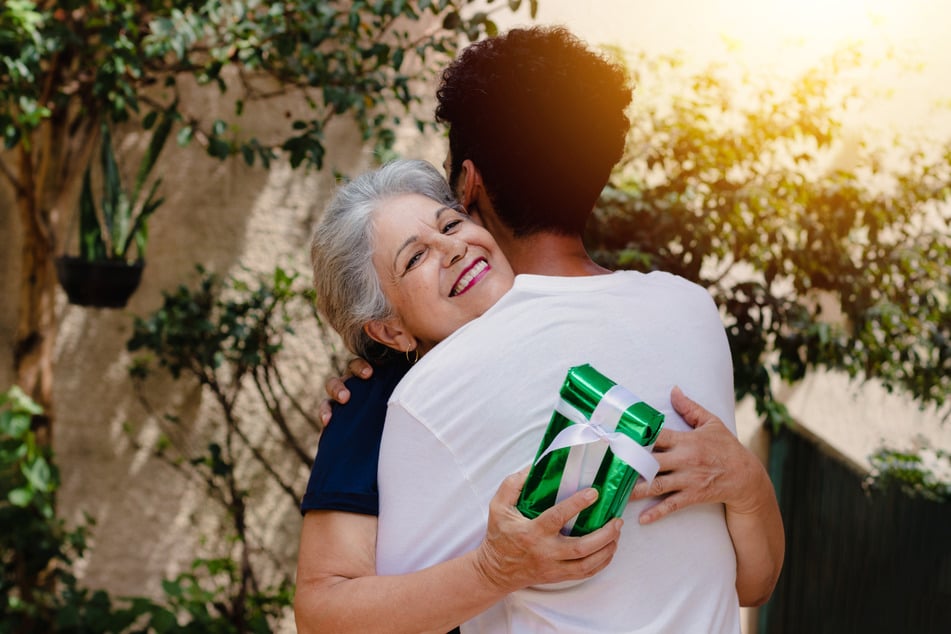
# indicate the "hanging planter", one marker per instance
pixel 103 274
pixel 100 283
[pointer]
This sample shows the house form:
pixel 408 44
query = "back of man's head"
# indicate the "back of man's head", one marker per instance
pixel 543 119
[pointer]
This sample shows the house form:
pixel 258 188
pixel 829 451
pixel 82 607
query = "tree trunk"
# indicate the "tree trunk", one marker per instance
pixel 36 319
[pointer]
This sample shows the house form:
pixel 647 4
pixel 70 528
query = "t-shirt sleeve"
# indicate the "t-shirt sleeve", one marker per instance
pixel 344 475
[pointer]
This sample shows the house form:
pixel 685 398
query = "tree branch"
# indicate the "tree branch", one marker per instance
pixel 11 177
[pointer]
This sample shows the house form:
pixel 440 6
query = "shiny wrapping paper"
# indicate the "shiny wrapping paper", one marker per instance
pixel 591 429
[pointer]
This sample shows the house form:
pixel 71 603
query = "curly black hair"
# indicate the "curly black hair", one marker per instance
pixel 544 119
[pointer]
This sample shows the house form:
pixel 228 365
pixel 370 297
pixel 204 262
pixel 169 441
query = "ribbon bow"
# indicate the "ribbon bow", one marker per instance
pixel 604 420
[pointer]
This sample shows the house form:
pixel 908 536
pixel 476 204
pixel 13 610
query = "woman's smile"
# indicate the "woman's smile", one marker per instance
pixel 470 277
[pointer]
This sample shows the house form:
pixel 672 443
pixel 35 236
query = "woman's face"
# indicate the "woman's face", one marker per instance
pixel 438 270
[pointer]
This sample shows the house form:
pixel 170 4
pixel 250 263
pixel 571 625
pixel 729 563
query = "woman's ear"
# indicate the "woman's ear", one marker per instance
pixel 391 333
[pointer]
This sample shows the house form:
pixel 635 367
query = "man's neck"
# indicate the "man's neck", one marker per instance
pixel 550 254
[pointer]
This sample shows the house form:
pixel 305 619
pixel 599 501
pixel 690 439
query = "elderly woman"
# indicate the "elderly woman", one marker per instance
pixel 399 266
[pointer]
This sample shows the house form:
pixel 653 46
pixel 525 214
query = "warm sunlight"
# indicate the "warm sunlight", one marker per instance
pixel 786 37
pixel 816 25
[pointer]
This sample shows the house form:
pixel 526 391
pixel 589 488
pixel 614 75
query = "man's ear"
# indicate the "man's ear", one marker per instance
pixel 391 333
pixel 471 186
pixel 471 191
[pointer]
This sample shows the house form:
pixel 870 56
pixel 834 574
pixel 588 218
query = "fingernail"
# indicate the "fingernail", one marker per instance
pixel 365 372
pixel 618 524
pixel 591 494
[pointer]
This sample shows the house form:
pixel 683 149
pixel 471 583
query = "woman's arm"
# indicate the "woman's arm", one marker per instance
pixel 710 465
pixel 338 589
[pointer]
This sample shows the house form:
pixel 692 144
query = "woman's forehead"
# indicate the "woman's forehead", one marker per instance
pixel 406 206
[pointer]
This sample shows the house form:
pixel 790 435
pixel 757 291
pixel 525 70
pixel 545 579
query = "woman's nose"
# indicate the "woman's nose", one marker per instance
pixel 453 249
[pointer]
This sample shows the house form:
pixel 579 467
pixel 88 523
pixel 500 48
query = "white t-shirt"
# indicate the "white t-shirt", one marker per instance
pixel 475 408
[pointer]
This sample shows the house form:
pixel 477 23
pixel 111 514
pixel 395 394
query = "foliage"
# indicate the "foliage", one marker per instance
pixel 68 66
pixel 124 220
pixel 31 539
pixel 925 473
pixel 40 593
pixel 814 263
pixel 78 61
pixel 227 335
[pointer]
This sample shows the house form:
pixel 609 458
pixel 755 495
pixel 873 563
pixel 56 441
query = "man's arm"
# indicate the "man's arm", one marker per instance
pixel 338 589
pixel 710 465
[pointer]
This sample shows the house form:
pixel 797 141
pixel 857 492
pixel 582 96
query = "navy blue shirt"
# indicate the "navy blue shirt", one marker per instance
pixel 343 477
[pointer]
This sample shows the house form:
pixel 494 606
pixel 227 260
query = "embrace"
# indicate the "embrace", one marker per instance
pixel 472 298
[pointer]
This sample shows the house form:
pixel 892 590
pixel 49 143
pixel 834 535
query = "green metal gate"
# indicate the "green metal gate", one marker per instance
pixel 855 561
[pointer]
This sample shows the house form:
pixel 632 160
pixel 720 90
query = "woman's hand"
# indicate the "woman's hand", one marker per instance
pixel 710 465
pixel 518 552
pixel 703 466
pixel 336 389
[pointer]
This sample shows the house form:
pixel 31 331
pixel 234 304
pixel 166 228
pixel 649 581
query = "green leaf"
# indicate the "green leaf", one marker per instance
pixel 218 148
pixel 156 144
pixel 452 21
pixel 20 497
pixel 91 245
pixel 111 183
pixel 14 424
pixel 39 475
pixel 185 135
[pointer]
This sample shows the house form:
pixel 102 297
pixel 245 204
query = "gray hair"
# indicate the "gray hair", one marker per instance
pixel 349 294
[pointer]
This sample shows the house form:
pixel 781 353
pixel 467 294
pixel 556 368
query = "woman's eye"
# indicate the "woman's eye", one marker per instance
pixel 413 260
pixel 451 225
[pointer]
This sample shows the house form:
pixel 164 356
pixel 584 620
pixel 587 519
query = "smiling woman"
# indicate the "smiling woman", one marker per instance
pixel 399 265
pixel 438 270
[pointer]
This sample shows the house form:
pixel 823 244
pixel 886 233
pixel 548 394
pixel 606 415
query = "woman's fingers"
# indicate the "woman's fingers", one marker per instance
pixel 360 367
pixel 336 389
pixel 325 411
pixel 557 516
pixel 518 552
pixel 511 487
pixel 693 413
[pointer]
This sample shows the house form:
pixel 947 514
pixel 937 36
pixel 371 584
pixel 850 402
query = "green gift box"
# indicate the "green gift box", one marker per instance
pixel 600 436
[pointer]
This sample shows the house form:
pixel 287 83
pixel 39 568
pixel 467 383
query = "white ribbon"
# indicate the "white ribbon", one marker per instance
pixel 583 462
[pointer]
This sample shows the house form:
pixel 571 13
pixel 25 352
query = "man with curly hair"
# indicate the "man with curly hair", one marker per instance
pixel 537 122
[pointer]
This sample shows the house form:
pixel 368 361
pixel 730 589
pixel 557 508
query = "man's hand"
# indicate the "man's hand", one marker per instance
pixel 337 391
pixel 707 465
pixel 518 552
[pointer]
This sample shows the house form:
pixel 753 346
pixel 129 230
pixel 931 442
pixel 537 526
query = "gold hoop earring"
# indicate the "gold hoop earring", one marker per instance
pixel 415 357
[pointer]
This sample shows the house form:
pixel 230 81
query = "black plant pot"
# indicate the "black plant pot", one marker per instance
pixel 103 283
